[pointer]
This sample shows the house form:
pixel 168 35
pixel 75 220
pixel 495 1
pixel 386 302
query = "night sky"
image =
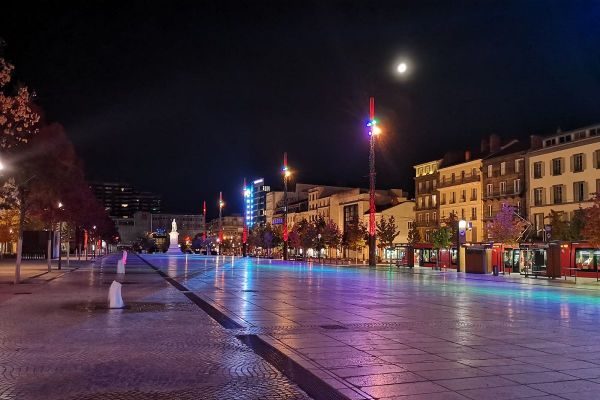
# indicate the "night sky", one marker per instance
pixel 187 100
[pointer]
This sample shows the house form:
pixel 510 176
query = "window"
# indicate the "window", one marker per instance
pixel 462 213
pixel 433 200
pixel 538 196
pixel 518 165
pixel 473 194
pixel 350 215
pixel 538 220
pixel 443 198
pixel 579 191
pixel 557 192
pixel 453 178
pixel 503 187
pixel 557 166
pixel 517 186
pixel 474 213
pixel 488 190
pixel 490 171
pixel 598 186
pixel 427 217
pixel 427 202
pixel 453 197
pixel 518 207
pixel 578 162
pixel 427 185
pixel 503 168
pixel 434 216
pixel 474 172
pixel 587 259
pixel 597 158
pixel 434 184
pixel 411 224
pixel 463 195
pixel 538 169
pixel 490 211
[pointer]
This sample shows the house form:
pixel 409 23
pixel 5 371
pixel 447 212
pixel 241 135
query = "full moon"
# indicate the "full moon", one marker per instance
pixel 401 68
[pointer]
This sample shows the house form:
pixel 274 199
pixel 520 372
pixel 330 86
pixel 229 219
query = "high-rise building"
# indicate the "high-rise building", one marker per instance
pixel 256 203
pixel 121 200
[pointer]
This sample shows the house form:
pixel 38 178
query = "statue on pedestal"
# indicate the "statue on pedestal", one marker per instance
pixel 174 239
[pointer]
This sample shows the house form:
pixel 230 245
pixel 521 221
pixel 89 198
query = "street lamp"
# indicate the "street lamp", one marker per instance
pixel 286 175
pixel 374 130
pixel 246 193
pixel 221 205
pixel 60 208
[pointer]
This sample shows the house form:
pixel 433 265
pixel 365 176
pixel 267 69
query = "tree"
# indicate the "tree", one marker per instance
pixel 442 238
pixel 18 124
pixel 452 223
pixel 506 227
pixel 355 236
pixel 387 232
pixel 577 224
pixel 414 236
pixel 591 230
pixel 560 227
pixel 331 235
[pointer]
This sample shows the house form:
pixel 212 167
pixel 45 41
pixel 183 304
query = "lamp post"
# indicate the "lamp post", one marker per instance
pixel 60 208
pixel 460 239
pixel 374 130
pixel 221 205
pixel 286 174
pixel 246 193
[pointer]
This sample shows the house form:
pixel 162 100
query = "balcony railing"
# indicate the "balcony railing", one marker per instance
pixel 424 224
pixel 459 180
pixel 425 207
pixel 506 193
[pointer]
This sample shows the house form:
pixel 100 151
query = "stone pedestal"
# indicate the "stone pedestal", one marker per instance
pixel 174 243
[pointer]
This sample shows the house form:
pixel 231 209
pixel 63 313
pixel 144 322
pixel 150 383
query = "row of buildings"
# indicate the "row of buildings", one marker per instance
pixel 559 172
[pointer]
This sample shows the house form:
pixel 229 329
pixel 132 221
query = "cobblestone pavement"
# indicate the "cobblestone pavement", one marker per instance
pixel 390 334
pixel 61 342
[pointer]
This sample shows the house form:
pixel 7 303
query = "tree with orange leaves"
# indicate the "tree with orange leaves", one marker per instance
pixel 591 229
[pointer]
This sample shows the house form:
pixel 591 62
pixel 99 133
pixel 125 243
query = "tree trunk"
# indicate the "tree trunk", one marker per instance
pixel 20 237
pixel 49 254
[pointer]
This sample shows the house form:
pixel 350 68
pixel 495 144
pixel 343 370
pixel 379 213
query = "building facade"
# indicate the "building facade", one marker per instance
pixel 258 203
pixel 121 200
pixel 459 191
pixel 504 180
pixel 563 172
pixel 426 198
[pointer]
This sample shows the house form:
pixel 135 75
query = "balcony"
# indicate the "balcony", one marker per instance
pixel 459 180
pixel 425 224
pixel 498 193
pixel 425 207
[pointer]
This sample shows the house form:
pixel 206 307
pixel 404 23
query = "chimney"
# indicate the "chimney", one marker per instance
pixel 484 146
pixel 536 142
pixel 467 155
pixel 494 143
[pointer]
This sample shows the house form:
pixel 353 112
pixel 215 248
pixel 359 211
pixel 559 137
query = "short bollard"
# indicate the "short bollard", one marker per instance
pixel 120 267
pixel 495 270
pixel 114 296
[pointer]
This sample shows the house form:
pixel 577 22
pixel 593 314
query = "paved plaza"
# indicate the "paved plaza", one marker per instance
pixel 231 328
pixel 397 334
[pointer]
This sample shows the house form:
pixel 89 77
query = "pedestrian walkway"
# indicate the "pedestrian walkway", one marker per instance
pixel 384 333
pixel 58 340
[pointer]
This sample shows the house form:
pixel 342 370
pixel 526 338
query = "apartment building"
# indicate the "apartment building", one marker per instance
pixel 563 172
pixel 504 178
pixel 426 198
pixel 459 191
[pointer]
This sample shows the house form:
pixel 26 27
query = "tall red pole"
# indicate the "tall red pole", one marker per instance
pixel 204 220
pixel 286 174
pixel 372 228
pixel 244 215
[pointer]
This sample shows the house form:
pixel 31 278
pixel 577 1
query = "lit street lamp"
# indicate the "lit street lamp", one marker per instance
pixel 221 205
pixel 286 174
pixel 60 208
pixel 374 130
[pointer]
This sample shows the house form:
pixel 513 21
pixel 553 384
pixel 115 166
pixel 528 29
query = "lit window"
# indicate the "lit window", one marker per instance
pixel 503 168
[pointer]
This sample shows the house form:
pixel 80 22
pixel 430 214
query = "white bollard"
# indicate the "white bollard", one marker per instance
pixel 114 296
pixel 120 267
